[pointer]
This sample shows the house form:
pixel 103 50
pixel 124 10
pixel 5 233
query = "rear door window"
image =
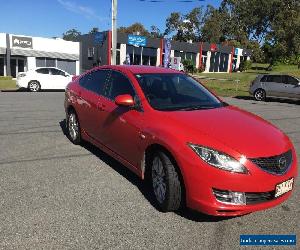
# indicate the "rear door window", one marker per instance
pixel 291 80
pixel 57 72
pixel 275 78
pixel 264 79
pixel 43 71
pixel 95 81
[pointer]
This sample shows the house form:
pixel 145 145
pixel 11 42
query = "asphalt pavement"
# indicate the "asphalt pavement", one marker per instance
pixel 55 195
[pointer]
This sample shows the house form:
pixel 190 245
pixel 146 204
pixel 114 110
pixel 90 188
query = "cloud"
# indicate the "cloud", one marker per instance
pixel 85 11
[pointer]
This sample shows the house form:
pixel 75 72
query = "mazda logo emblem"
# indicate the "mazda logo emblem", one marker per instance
pixel 282 163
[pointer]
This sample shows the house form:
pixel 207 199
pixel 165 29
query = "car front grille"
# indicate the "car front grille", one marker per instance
pixel 276 164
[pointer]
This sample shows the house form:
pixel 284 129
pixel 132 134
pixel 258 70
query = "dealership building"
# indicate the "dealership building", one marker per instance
pixel 22 53
pixel 96 50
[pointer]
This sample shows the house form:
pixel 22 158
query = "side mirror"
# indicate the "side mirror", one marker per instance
pixel 124 100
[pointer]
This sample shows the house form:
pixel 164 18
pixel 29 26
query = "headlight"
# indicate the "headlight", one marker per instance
pixel 21 74
pixel 220 160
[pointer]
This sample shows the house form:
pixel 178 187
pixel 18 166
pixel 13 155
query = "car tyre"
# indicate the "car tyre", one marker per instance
pixel 260 95
pixel 165 182
pixel 34 86
pixel 73 127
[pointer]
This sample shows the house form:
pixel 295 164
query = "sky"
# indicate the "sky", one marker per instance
pixel 51 18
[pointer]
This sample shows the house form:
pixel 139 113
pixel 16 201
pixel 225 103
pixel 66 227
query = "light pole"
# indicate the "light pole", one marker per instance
pixel 114 31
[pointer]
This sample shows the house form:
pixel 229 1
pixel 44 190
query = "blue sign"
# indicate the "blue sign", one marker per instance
pixel 99 37
pixel 137 40
pixel 268 240
pixel 236 51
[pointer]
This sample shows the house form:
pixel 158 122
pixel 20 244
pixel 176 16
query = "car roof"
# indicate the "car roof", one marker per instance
pixel 46 68
pixel 141 69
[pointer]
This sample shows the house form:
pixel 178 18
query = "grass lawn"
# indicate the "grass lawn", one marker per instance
pixel 237 84
pixel 7 84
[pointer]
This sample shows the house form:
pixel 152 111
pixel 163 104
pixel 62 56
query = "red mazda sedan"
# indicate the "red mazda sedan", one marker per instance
pixel 194 149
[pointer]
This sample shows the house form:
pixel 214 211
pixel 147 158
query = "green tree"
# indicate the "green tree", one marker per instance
pixel 274 24
pixel 134 28
pixel 71 35
pixel 155 32
pixel 94 30
pixel 215 25
pixel 185 27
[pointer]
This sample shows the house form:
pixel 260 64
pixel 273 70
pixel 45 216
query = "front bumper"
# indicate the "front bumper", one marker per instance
pixel 201 179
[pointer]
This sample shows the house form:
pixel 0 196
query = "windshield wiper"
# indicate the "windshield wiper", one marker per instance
pixel 196 108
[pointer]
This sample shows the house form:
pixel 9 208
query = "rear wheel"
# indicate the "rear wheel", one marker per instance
pixel 260 95
pixel 73 127
pixel 165 181
pixel 34 86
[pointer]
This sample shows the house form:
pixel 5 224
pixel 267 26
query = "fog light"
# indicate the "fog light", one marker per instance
pixel 224 196
pixel 238 198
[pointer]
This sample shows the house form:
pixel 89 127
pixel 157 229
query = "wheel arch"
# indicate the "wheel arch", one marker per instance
pixel 71 108
pixel 147 158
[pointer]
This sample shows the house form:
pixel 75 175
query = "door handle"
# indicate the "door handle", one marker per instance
pixel 142 135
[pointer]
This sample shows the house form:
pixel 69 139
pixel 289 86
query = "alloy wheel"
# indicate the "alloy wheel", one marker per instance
pixel 159 180
pixel 73 126
pixel 34 86
pixel 259 95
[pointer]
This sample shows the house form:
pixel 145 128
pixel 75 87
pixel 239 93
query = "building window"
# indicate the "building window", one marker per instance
pixel 1 66
pixel 66 65
pixel 91 52
pixel 186 56
pixel 149 56
pixel 45 62
pixel 50 62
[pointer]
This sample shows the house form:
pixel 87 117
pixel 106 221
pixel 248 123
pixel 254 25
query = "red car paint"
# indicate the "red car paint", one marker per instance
pixel 127 135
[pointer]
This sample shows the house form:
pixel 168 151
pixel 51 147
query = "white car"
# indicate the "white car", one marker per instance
pixel 43 78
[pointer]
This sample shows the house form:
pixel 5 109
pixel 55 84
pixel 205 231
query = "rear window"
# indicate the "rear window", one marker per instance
pixel 272 78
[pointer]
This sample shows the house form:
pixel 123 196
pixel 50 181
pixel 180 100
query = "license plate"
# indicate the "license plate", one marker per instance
pixel 284 187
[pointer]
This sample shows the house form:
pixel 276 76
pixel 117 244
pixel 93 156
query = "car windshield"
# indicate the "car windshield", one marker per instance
pixel 171 92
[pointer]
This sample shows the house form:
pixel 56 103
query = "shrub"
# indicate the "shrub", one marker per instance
pixel 292 60
pixel 189 66
pixel 245 65
pixel 201 69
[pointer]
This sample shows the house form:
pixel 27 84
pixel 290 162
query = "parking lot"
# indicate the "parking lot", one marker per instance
pixel 60 196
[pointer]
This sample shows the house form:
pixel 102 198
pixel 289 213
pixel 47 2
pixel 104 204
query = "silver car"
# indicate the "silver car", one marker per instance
pixel 275 85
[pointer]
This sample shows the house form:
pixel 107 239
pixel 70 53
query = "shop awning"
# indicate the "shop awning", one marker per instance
pixel 37 53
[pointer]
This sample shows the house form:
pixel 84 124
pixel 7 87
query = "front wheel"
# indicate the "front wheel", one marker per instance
pixel 166 184
pixel 260 95
pixel 34 86
pixel 73 127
